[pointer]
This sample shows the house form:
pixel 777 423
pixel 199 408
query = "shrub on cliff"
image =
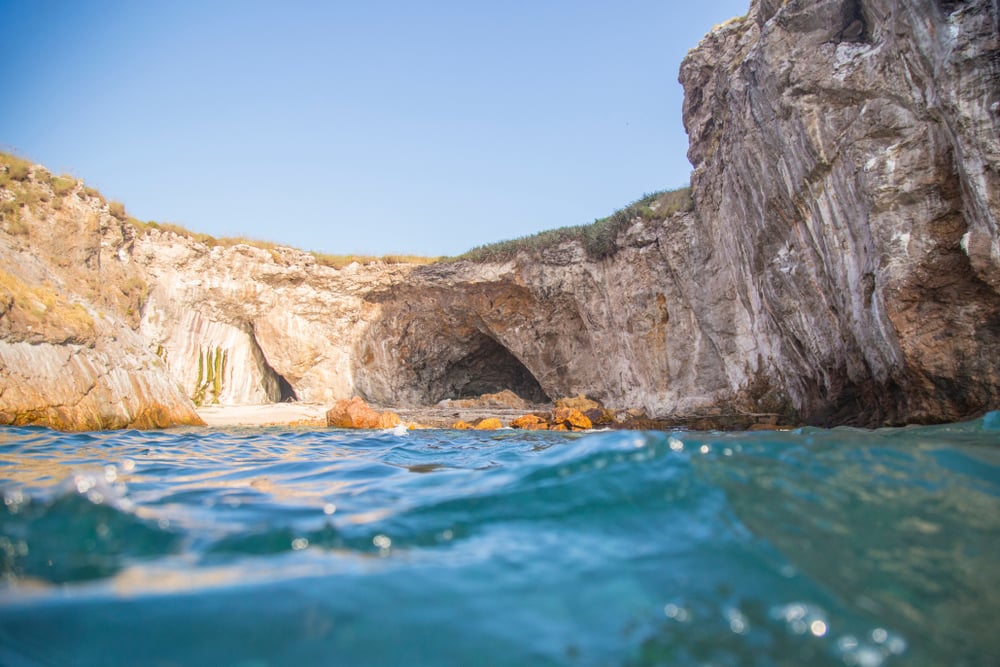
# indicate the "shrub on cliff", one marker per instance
pixel 117 210
pixel 599 239
pixel 63 185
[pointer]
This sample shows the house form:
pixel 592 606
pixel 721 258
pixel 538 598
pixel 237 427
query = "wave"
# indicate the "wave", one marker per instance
pixel 814 546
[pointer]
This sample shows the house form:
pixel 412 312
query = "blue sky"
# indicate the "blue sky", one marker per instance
pixel 356 127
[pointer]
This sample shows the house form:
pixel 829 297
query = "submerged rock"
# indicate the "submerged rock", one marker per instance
pixel 488 424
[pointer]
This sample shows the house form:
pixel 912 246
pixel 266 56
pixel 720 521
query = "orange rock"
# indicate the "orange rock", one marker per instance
pixel 528 422
pixel 355 413
pixel 462 426
pixel 572 417
pixel 488 424
pixel 388 420
pixel 558 427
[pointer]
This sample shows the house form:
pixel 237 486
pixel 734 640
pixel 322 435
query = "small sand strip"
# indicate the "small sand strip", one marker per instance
pixel 271 414
pixel 314 414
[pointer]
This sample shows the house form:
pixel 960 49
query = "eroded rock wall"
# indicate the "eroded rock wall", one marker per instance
pixel 846 157
pixel 284 326
pixel 626 329
pixel 842 262
pixel 68 289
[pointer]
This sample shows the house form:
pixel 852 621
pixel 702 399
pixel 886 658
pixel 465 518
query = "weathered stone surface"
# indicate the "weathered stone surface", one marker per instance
pixel 68 358
pixel 529 422
pixel 572 418
pixel 846 160
pixel 355 413
pixel 500 399
pixel 289 327
pixel 580 402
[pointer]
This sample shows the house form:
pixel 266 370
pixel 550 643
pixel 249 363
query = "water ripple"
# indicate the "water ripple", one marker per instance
pixel 842 547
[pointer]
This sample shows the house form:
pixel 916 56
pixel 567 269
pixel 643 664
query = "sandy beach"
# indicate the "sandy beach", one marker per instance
pixel 270 414
pixel 314 414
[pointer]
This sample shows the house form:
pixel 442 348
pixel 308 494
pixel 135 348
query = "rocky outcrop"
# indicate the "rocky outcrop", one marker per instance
pixel 355 413
pixel 846 156
pixel 283 325
pixel 840 264
pixel 68 358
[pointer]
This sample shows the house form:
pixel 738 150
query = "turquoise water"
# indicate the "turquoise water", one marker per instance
pixel 293 547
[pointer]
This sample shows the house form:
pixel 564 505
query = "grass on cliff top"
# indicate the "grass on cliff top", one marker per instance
pixel 13 168
pixel 335 261
pixel 599 239
pixel 340 261
pixel 19 174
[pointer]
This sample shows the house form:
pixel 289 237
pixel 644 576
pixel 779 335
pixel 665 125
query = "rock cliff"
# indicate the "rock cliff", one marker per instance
pixel 839 264
pixel 846 156
pixel 68 291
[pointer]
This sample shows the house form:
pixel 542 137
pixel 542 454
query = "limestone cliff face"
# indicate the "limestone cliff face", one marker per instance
pixel 625 329
pixel 68 289
pixel 841 265
pixel 247 325
pixel 846 156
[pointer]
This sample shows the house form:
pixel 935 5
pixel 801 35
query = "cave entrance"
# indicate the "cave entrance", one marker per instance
pixel 278 389
pixel 285 391
pixel 489 367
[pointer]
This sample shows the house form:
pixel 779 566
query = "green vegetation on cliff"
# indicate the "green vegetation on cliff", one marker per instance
pixel 211 374
pixel 27 186
pixel 599 238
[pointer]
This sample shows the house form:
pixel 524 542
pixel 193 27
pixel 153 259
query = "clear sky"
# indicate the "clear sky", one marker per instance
pixel 420 127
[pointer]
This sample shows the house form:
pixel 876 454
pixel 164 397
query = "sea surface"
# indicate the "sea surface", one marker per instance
pixel 323 547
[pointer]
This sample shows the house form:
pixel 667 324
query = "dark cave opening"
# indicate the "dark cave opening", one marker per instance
pixel 285 390
pixel 277 387
pixel 489 367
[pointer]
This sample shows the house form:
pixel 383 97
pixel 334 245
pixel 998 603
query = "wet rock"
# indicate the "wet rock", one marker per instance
pixel 530 422
pixel 600 416
pixel 571 418
pixel 488 424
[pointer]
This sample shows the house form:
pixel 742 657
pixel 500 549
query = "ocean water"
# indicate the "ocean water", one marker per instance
pixel 298 547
